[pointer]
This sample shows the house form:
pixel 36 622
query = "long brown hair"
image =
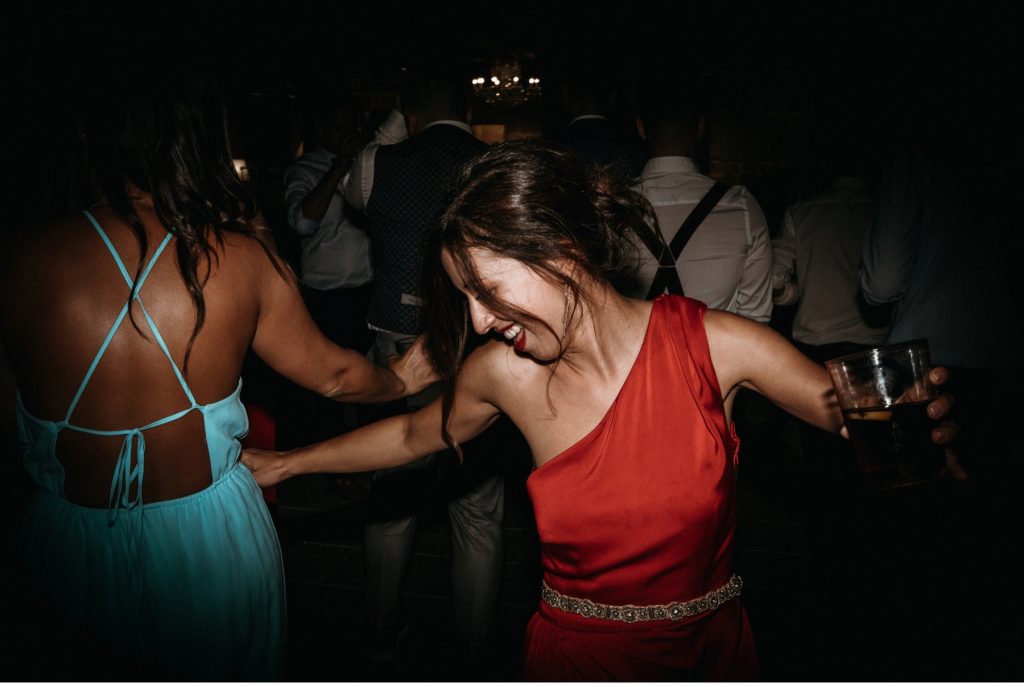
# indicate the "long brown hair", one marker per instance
pixel 167 135
pixel 537 203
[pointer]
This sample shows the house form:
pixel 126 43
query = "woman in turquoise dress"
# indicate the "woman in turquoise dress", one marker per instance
pixel 124 330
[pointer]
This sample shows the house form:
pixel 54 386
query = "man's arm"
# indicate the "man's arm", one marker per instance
pixel 358 183
pixel 784 288
pixel 314 205
pixel 891 242
pixel 754 292
pixel 307 197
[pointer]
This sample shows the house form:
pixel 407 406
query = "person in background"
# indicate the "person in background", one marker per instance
pixel 944 250
pixel 403 188
pixel 335 266
pixel 817 253
pixel 589 133
pixel 148 550
pixel 336 270
pixel 726 262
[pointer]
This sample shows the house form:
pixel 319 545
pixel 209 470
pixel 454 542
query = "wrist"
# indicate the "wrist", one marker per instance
pixel 287 464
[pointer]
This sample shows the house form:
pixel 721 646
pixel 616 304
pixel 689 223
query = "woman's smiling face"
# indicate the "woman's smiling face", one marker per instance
pixel 522 289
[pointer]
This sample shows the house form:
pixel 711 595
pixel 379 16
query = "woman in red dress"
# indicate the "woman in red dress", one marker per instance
pixel 625 405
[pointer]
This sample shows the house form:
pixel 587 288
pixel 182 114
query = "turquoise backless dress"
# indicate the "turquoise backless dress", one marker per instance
pixel 190 588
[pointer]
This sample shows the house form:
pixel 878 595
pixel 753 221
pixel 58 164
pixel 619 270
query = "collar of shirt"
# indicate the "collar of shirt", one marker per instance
pixel 451 122
pixel 669 164
pixel 590 116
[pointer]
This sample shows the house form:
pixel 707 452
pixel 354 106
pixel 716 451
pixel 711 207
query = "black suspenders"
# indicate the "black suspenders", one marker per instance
pixel 667 277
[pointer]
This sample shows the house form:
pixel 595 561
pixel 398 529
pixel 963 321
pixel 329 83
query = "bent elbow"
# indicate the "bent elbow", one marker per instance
pixel 879 291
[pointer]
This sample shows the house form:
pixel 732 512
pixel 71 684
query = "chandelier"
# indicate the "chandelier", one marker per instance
pixel 506 86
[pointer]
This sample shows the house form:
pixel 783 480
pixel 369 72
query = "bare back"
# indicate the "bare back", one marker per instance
pixel 62 298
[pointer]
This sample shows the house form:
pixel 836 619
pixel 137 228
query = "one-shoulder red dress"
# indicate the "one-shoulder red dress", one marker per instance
pixel 641 512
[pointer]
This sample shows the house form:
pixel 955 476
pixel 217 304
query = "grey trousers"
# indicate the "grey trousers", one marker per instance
pixel 476 504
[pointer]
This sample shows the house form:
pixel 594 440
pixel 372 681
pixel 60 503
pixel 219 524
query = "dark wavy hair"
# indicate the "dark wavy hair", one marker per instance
pixel 537 203
pixel 167 135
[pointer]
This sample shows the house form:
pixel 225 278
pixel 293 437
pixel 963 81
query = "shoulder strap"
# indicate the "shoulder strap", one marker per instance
pixel 696 217
pixel 667 277
pixel 123 313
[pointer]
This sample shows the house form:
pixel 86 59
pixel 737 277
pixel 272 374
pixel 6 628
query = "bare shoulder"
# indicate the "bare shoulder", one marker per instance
pixel 254 254
pixel 495 370
pixel 736 344
pixel 726 331
pixel 32 255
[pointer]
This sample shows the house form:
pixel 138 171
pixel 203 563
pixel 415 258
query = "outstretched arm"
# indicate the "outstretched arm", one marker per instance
pixel 750 355
pixel 395 441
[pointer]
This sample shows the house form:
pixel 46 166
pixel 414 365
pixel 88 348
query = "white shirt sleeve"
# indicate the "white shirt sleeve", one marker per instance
pixel 299 181
pixel 784 262
pixel 358 182
pixel 754 296
pixel 891 243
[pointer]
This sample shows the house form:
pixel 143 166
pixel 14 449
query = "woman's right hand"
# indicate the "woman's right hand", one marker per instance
pixel 267 467
pixel 414 368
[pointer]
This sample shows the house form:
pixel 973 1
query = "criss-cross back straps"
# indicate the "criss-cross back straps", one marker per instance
pixel 131 460
pixel 124 313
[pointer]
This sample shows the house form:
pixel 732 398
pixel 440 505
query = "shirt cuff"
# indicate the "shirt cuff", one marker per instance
pixel 305 226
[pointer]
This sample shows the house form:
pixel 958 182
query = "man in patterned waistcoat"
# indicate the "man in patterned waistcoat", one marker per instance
pixel 403 187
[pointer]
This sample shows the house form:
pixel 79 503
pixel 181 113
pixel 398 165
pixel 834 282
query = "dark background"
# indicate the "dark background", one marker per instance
pixel 772 76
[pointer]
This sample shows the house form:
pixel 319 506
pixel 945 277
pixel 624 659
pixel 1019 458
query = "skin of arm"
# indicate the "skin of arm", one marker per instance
pixel 753 356
pixel 747 354
pixel 394 441
pixel 288 340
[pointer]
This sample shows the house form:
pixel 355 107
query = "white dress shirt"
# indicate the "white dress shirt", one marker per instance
pixel 727 263
pixel 815 261
pixel 335 252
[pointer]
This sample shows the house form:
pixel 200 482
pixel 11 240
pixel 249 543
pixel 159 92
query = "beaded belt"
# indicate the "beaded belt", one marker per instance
pixel 631 614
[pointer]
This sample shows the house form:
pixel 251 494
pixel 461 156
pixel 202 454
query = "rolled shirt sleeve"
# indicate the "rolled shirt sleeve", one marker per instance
pixel 784 263
pixel 754 293
pixel 890 244
pixel 299 181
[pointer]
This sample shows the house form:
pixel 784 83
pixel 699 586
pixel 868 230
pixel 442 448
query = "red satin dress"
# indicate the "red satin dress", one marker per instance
pixel 641 511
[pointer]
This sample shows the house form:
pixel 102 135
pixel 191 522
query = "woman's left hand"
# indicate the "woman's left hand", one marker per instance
pixel 947 431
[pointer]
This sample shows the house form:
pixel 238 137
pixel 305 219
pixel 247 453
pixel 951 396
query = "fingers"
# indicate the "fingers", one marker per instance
pixel 940 407
pixel 246 459
pixel 938 376
pixel 945 433
pixel 953 466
